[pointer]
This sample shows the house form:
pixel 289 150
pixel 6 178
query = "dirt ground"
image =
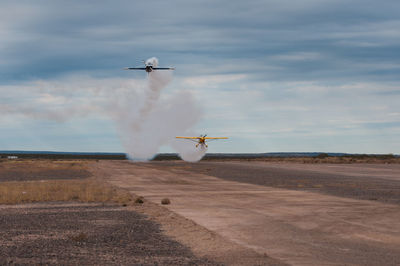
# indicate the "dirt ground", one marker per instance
pixel 379 182
pixel 104 233
pixel 86 234
pixel 232 213
pixel 69 233
pixel 332 219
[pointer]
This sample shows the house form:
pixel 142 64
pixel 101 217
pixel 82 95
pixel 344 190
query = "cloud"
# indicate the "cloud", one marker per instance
pixel 299 70
pixel 51 40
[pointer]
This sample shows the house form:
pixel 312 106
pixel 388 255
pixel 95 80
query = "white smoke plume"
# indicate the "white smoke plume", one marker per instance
pixel 188 151
pixel 152 122
pixel 145 121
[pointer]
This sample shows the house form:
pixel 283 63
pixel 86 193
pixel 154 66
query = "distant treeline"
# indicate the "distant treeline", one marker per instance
pixel 250 156
pixel 62 155
pixel 361 156
pixel 174 156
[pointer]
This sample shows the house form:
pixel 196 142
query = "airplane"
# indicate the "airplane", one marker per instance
pixel 200 140
pixel 148 67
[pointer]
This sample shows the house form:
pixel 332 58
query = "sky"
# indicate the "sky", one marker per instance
pixel 273 76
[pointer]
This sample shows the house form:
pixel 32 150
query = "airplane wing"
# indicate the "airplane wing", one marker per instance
pixel 213 139
pixel 135 68
pixel 194 139
pixel 163 68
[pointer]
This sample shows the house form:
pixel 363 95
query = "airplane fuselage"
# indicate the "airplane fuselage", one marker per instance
pixel 149 68
pixel 202 142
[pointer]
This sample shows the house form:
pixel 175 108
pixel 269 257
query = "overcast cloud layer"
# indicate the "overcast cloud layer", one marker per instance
pixel 271 75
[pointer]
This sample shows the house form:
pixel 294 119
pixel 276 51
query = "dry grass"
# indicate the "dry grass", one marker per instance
pixel 86 190
pixel 42 180
pixel 25 170
pixel 43 163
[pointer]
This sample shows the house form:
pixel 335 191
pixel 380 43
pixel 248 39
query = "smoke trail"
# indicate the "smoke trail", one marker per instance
pixel 169 118
pixel 156 82
pixel 157 122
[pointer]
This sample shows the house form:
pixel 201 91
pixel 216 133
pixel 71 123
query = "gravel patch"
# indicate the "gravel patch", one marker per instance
pixel 86 234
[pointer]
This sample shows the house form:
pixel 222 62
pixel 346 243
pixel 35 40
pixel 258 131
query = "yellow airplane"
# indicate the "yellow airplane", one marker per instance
pixel 200 140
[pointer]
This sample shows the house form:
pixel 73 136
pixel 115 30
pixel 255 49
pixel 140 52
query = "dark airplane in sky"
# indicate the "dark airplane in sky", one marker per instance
pixel 149 67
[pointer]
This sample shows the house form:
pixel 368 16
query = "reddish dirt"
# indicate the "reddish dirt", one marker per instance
pixel 377 182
